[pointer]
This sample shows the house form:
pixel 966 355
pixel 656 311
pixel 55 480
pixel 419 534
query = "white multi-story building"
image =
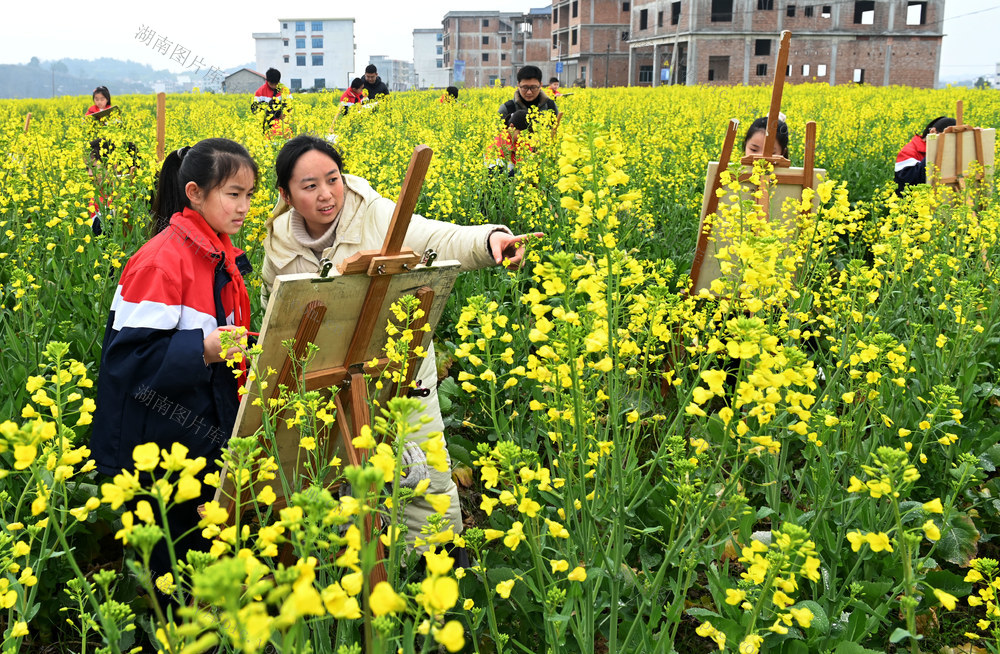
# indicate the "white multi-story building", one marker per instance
pixel 396 73
pixel 311 53
pixel 428 58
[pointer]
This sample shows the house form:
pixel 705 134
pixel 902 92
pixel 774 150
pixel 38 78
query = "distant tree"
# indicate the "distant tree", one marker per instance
pixel 59 68
pixel 34 62
pixel 982 83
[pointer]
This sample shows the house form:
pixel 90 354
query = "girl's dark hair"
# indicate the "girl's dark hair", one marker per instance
pixel 295 148
pixel 940 124
pixel 452 91
pixel 780 137
pixel 519 121
pixel 103 90
pixel 208 164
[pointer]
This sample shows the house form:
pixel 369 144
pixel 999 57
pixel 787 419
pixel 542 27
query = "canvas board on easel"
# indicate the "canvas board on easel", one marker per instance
pixel 343 296
pixel 951 168
pixel 710 243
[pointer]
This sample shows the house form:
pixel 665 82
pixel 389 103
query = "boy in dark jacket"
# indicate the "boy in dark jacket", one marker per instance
pixel 529 94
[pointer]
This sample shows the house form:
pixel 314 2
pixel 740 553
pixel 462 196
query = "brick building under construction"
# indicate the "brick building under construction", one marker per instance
pixel 877 42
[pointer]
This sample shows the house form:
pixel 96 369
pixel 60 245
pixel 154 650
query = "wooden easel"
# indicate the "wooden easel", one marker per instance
pixel 161 124
pixel 783 171
pixel 349 374
pixel 27 122
pixel 957 179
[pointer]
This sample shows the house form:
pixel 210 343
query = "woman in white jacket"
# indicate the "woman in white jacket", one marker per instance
pixel 325 213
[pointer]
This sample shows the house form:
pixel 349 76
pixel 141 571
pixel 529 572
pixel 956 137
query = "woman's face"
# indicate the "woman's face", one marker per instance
pixel 101 101
pixel 755 145
pixel 316 191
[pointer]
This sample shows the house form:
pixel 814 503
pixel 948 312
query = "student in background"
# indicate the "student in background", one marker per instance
pixel 529 94
pixel 450 95
pixel 554 87
pixel 352 95
pixel 753 142
pixel 271 99
pixel 911 162
pixel 102 100
pixel 374 86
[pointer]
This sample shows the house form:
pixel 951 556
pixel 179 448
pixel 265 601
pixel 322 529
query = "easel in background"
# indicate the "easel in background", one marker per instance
pixel 161 125
pixel 956 149
pixel 298 307
pixel 789 181
pixel 27 122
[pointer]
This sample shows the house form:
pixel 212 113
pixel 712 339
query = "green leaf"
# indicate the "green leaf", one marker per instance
pixel 820 622
pixel 900 633
pixel 854 648
pixel 960 540
pixel 949 582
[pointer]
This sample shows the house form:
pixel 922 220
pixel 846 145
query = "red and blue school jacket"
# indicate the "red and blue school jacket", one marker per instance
pixel 153 384
pixel 911 163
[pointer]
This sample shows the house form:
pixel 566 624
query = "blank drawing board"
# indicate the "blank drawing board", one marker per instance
pixel 957 150
pixel 343 297
pixel 706 266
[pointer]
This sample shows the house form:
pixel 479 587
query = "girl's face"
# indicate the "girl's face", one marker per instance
pixel 101 101
pixel 316 191
pixel 224 207
pixel 755 145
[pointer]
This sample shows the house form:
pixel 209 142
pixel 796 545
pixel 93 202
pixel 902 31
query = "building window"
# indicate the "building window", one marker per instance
pixel 300 42
pixel 440 50
pixel 486 40
pixel 317 26
pixel 555 41
pixel 486 22
pixel 827 11
pixel 808 11
pixel 572 37
pixel 718 69
pixel 916 13
pixel 722 11
pixel 625 36
pixel 821 70
pixel 645 74
pixel 859 76
pixel 503 39
pixel 440 64
pixel 555 15
pixel 317 60
pixel 627 7
pixel 675 13
pixel 300 26
pixel 805 70
pixel 486 56
pixel 790 11
pixel 439 36
pixel 864 13
pixel 503 57
pixel 765 5
pixel 643 19
pixel 659 19
pixel 762 47
pixel 317 42
pixel 296 84
pixel 300 60
pixel 575 9
pixel 284 42
pixel 761 69
pixel 319 83
pixel 285 58
pixel 284 26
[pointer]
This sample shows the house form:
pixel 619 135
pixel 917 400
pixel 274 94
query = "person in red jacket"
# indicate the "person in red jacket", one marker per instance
pixel 162 378
pixel 352 95
pixel 271 98
pixel 911 162
pixel 102 100
pixel 502 154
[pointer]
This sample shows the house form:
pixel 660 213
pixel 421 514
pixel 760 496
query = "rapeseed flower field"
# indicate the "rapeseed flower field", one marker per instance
pixel 802 460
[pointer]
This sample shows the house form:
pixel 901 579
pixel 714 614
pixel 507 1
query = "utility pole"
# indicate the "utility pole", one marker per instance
pixel 607 64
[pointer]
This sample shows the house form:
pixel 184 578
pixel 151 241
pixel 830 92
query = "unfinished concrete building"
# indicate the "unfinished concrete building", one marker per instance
pixel 878 42
pixel 482 47
pixel 590 41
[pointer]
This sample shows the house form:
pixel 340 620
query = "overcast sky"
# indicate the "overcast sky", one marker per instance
pixel 220 32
